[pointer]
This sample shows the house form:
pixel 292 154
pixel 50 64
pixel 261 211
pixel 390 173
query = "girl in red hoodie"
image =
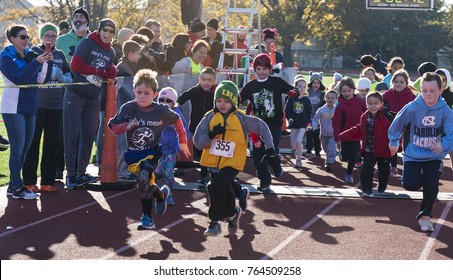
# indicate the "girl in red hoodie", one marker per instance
pixel 347 114
pixel 395 99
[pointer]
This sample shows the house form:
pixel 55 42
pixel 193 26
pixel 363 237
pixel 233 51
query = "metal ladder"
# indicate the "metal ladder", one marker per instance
pixel 253 12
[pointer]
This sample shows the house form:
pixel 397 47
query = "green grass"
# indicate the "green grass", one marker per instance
pixel 4 156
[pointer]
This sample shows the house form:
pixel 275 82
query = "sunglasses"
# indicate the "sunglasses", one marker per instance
pixel 111 31
pixel 23 37
pixel 165 100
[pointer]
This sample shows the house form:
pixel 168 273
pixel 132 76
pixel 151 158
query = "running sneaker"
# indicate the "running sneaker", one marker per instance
pixel 425 224
pixel 244 197
pixel 348 179
pixel 86 179
pixel 161 204
pixel 213 229
pixel 367 194
pixel 71 183
pixel 264 188
pixel 146 222
pixel 233 223
pixel 25 194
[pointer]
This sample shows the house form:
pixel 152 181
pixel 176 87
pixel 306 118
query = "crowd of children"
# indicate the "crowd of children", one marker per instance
pixel 364 123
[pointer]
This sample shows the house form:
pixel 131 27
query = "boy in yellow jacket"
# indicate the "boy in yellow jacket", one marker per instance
pixel 222 135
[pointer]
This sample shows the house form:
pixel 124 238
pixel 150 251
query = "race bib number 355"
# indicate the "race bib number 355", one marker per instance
pixel 222 148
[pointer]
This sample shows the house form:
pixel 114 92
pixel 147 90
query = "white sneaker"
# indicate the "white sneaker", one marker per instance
pixel 425 224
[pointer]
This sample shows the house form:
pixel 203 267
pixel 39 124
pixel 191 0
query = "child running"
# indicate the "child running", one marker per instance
pixel 394 100
pixel 431 138
pixel 266 95
pixel 170 147
pixel 372 130
pixel 298 113
pixel 222 135
pixel 143 122
pixel 323 119
pixel 347 114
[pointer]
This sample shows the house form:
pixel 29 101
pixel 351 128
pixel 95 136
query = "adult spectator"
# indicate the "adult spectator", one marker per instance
pixel 149 56
pixel 64 27
pixel 21 66
pixel 197 30
pixel 269 35
pixel 156 28
pixel 92 62
pixel 69 41
pixel 240 44
pixel 195 62
pixel 215 41
pixel 178 49
pixel 49 119
pixel 123 35
pixel 157 45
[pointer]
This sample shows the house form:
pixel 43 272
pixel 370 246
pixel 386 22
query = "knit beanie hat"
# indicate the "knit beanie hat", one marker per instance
pixel 107 22
pixel 263 60
pixel 197 26
pixel 213 23
pixel 426 67
pixel 316 76
pixel 168 93
pixel 337 76
pixel 83 12
pixel 46 27
pixel 229 91
pixel 447 75
pixel 63 24
pixel 363 83
pixel 381 86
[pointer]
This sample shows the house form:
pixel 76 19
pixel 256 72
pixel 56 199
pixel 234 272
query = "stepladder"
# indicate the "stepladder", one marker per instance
pixel 242 50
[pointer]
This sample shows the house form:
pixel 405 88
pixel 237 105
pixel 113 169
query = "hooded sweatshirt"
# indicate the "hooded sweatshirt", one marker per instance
pixel 92 61
pixel 427 126
pixel 202 102
pixel 347 114
pixel 395 101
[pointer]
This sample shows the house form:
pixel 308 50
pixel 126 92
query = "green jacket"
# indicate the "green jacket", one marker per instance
pixel 68 43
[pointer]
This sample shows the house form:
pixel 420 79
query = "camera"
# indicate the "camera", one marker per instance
pixel 153 53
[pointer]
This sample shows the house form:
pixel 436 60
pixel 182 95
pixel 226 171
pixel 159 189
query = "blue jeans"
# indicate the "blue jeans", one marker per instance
pixel 261 167
pixel 20 129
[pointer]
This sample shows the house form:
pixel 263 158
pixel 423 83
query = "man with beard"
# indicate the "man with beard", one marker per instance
pixel 69 41
pixel 93 61
pixel 240 44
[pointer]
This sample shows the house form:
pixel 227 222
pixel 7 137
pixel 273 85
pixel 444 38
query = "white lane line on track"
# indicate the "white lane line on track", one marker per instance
pixel 430 243
pixel 153 233
pixel 300 230
pixel 62 214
